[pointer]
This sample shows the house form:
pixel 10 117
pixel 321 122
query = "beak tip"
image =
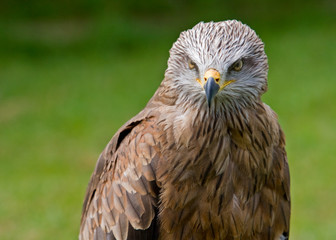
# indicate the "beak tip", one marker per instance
pixel 211 88
pixel 209 103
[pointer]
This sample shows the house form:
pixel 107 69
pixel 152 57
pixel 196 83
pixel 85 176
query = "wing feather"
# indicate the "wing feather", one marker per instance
pixel 121 199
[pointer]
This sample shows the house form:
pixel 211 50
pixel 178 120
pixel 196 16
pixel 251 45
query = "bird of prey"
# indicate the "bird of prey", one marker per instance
pixel 205 159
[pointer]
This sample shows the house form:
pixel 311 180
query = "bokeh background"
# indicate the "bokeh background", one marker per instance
pixel 72 72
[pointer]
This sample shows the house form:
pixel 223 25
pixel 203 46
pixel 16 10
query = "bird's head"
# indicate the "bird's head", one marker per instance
pixel 221 64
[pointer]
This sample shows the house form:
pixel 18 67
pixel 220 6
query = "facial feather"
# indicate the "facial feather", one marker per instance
pixel 218 46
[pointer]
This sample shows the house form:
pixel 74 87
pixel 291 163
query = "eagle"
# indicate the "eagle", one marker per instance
pixel 205 159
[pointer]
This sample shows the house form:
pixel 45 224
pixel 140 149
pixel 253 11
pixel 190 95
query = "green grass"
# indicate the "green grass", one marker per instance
pixel 58 110
pixel 302 90
pixel 56 115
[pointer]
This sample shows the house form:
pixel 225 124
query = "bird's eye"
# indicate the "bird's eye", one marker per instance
pixel 237 66
pixel 191 64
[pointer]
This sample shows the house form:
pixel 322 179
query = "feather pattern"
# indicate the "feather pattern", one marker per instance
pixel 183 170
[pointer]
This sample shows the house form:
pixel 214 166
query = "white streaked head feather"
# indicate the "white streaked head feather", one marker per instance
pixel 218 45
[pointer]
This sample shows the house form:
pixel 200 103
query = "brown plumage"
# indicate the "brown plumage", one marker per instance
pixel 205 159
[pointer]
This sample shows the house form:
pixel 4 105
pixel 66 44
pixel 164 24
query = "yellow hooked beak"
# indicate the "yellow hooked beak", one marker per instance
pixel 212 84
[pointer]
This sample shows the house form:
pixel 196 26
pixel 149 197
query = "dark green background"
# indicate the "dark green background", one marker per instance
pixel 72 72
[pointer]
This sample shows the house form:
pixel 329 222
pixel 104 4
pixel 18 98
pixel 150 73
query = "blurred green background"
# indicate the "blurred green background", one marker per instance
pixel 72 72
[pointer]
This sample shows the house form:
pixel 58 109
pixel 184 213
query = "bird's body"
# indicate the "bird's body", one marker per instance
pixel 197 164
